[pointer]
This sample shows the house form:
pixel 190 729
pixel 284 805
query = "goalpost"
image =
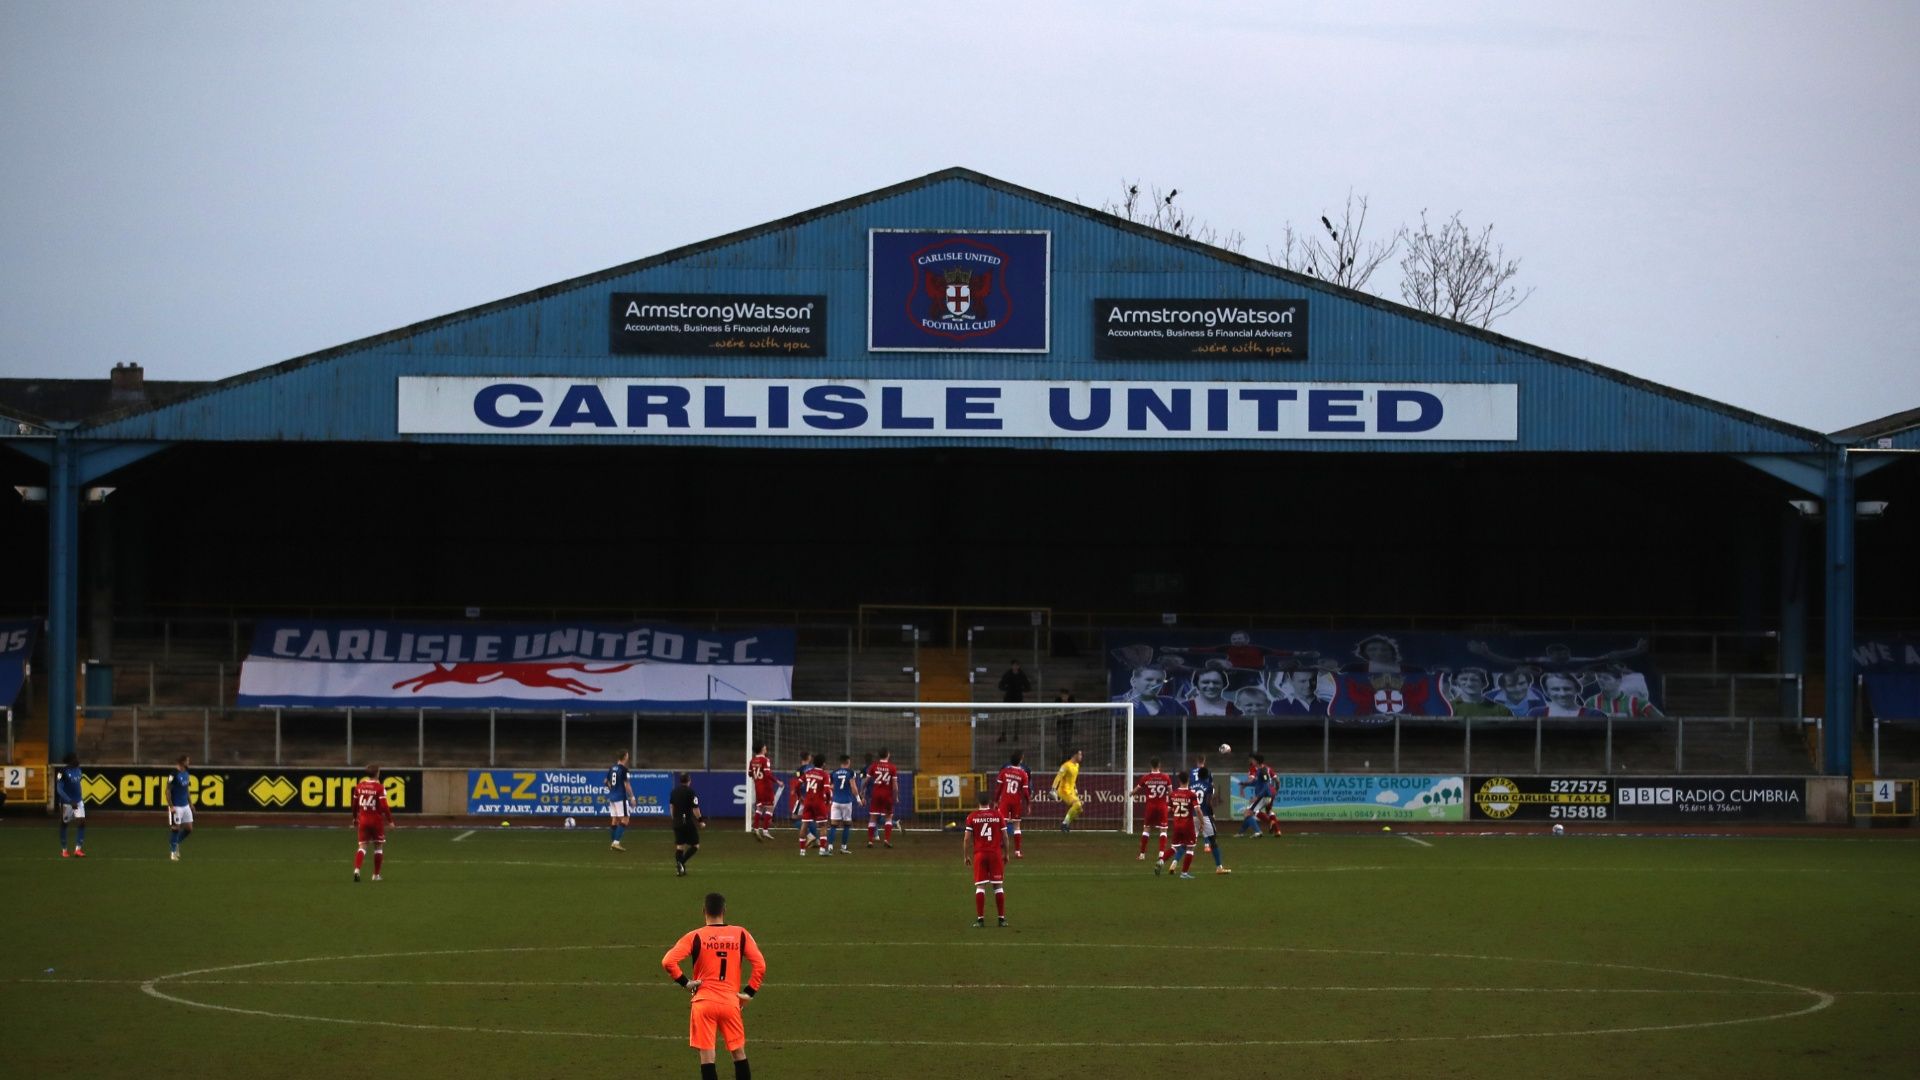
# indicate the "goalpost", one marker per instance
pixel 947 751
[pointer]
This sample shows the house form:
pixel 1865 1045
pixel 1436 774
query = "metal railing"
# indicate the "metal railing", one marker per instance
pixel 512 737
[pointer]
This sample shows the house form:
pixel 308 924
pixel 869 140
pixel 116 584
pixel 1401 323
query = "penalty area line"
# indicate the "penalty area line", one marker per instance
pixel 464 835
pixel 1414 840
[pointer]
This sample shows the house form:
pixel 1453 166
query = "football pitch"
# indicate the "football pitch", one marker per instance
pixel 527 952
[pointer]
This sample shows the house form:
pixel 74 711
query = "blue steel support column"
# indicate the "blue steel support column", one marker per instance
pixel 63 590
pixel 1839 638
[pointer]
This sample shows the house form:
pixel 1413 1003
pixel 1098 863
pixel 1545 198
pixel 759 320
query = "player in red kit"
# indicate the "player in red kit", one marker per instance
pixel 983 845
pixel 1156 786
pixel 1183 807
pixel 371 816
pixel 1015 785
pixel 816 791
pixel 883 785
pixel 765 790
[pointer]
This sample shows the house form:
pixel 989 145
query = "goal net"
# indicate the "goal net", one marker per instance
pixel 947 752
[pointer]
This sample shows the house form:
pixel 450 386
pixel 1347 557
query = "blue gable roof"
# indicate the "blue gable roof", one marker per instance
pixel 349 393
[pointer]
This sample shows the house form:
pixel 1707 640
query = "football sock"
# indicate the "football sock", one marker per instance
pixel 1073 812
pixel 1163 847
pixel 1144 833
pixel 1016 842
pixel 1216 850
pixel 889 832
pixel 184 833
pixel 359 858
pixel 173 840
pixel 980 902
pixel 872 832
pixel 63 836
pixel 80 839
pixel 1186 862
pixel 741 1071
pixel 999 902
pixel 378 858
pixel 709 1071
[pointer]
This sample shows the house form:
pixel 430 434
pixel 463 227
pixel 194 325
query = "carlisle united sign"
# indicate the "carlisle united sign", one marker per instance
pixel 957 291
pixel 824 408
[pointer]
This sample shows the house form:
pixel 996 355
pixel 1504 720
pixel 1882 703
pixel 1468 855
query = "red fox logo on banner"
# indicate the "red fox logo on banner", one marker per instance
pixel 536 676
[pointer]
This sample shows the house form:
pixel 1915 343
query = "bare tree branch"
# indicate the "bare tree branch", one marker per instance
pixel 1457 273
pixel 1346 257
pixel 1154 209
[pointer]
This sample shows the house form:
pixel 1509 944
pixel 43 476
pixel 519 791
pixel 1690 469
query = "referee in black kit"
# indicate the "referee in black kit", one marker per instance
pixel 684 807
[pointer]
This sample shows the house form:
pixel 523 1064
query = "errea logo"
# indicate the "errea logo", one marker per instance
pixel 96 789
pixel 272 791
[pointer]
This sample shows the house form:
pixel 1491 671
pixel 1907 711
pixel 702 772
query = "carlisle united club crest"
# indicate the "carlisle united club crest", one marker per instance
pixel 961 289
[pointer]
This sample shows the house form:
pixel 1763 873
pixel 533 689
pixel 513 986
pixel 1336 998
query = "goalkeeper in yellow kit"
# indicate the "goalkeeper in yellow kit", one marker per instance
pixel 1066 784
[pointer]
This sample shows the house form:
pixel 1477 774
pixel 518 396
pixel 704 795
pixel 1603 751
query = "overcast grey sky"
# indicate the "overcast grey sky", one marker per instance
pixel 1718 196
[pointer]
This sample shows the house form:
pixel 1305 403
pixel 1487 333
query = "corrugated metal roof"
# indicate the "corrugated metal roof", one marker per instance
pixel 1901 430
pixel 1567 404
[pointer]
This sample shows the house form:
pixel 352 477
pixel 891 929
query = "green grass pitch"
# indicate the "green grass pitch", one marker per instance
pixel 527 952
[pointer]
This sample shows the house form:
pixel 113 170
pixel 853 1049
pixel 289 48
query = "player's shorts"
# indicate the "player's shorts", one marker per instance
pixel 375 831
pixel 686 835
pixel 179 816
pixel 1259 798
pixel 1182 832
pixel 840 811
pixel 1206 826
pixel 811 812
pixel 880 806
pixel 1156 817
pixel 72 812
pixel 993 868
pixel 710 1018
pixel 616 809
pixel 764 795
pixel 1011 809
pixel 1069 796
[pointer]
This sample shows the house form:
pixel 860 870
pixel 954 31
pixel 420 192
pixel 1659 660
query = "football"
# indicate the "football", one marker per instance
pixel 570 823
pixel 1559 829
pixel 1225 749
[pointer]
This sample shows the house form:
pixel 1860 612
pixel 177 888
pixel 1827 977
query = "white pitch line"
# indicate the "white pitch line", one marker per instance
pixel 1822 1000
pixel 1150 987
pixel 464 835
pixel 1414 840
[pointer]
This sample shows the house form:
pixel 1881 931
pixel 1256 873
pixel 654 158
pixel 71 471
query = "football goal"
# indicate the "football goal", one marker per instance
pixel 947 752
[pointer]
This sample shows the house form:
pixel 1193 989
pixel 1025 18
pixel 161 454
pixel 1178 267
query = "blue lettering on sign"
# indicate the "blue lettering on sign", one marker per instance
pixel 1427 415
pixel 893 411
pixel 1326 408
pixel 1217 419
pixel 486 405
pixel 1268 404
pixel 583 404
pixel 1174 415
pixel 1060 409
pixel 717 417
pixel 841 403
pixel 970 408
pixel 777 405
pixel 667 402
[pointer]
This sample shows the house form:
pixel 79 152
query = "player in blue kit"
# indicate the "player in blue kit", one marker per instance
pixel 845 786
pixel 73 808
pixel 619 798
pixel 179 807
pixel 1200 779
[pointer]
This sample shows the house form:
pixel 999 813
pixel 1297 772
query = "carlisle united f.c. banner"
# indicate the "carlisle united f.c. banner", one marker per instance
pixel 957 291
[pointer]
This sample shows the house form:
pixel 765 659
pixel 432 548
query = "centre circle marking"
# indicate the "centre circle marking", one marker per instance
pixel 1822 999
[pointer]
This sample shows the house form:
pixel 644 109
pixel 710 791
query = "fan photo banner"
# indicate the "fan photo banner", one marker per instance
pixel 623 667
pixel 16 647
pixel 1358 678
